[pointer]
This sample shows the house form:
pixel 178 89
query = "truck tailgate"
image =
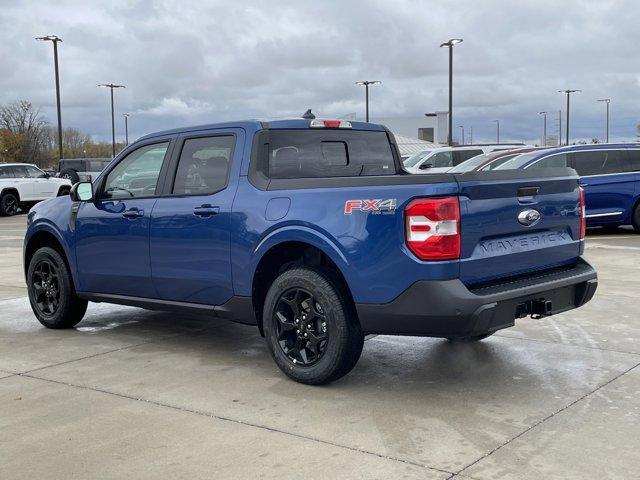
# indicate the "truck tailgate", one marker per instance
pixel 517 221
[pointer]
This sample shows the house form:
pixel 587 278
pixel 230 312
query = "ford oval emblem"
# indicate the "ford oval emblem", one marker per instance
pixel 529 217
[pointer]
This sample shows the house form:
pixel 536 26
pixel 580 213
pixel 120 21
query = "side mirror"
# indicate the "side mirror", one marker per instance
pixel 44 175
pixel 424 166
pixel 81 192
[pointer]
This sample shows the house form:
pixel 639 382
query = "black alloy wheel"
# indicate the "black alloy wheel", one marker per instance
pixel 46 287
pixel 301 326
pixel 9 204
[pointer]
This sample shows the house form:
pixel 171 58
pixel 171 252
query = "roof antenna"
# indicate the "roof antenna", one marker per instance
pixel 308 115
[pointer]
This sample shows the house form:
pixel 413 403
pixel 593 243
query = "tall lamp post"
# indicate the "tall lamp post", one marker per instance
pixel 55 39
pixel 111 86
pixel 568 92
pixel 461 127
pixel 126 127
pixel 607 101
pixel 449 44
pixel 497 122
pixel 366 84
pixel 471 135
pixel 544 128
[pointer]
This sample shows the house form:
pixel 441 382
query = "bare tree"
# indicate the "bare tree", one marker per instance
pixel 25 124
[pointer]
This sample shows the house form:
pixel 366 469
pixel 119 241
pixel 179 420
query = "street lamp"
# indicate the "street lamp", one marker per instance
pixel 462 128
pixel 544 128
pixel 497 122
pixel 568 92
pixel 126 127
pixel 111 86
pixel 449 45
pixel 471 135
pixel 366 84
pixel 55 39
pixel 607 101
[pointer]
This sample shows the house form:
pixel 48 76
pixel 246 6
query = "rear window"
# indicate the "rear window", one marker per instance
pixel 77 165
pixel 634 160
pixel 598 162
pixel 460 156
pixel 326 153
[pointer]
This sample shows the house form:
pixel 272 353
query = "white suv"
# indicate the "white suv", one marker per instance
pixel 23 185
pixel 438 160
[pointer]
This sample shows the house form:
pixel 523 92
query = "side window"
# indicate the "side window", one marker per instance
pixel 19 171
pixel 598 162
pixel 460 156
pixel 34 172
pixel 96 165
pixel 137 174
pixel 440 159
pixel 6 172
pixel 203 167
pixel 634 160
pixel 553 161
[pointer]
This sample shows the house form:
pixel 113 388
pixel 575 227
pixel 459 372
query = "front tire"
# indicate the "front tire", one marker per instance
pixel 9 204
pixel 311 330
pixel 51 293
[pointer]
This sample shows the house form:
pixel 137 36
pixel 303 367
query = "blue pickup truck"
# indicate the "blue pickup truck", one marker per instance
pixel 312 231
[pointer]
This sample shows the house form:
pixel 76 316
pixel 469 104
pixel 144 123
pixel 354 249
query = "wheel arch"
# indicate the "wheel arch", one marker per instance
pixel 286 254
pixel 45 238
pixel 10 190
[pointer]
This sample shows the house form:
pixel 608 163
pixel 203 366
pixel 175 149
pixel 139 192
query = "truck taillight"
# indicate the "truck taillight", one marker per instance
pixel 433 228
pixel 582 207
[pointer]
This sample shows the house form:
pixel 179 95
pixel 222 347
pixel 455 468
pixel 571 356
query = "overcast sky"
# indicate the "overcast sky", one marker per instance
pixel 189 62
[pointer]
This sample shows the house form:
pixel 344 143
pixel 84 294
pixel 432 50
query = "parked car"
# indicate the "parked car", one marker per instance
pixel 22 185
pixel 490 161
pixel 609 174
pixel 81 169
pixel 311 230
pixel 441 159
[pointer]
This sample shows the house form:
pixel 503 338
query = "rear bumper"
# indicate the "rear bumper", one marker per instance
pixel 450 309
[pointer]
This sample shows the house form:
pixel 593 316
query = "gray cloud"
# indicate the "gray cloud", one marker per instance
pixel 187 62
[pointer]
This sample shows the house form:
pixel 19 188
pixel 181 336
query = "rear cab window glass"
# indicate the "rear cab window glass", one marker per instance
pixel 203 167
pixel 326 153
pixel 552 161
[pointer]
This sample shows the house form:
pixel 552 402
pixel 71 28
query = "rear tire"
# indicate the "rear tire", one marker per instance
pixel 470 338
pixel 9 204
pixel 70 174
pixel 635 218
pixel 310 327
pixel 51 293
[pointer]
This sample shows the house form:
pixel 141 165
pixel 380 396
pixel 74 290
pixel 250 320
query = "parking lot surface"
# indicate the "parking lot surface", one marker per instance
pixel 137 394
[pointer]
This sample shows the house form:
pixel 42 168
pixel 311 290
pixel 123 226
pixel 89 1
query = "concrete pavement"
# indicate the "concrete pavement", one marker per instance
pixel 138 394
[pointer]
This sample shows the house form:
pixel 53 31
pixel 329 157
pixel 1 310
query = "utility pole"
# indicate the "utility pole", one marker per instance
pixel 366 84
pixel 568 92
pixel 607 101
pixel 111 86
pixel 55 39
pixel 544 128
pixel 126 128
pixel 449 44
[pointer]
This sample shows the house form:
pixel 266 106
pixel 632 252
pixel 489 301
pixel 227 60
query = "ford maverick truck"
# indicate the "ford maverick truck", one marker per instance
pixel 311 230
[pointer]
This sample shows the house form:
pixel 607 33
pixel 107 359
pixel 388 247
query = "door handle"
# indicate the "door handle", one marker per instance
pixel 206 210
pixel 133 213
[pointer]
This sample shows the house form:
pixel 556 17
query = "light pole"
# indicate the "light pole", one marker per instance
pixel 544 128
pixel 366 84
pixel 470 135
pixel 607 101
pixel 449 45
pixel 461 127
pixel 126 127
pixel 111 86
pixel 560 127
pixel 568 92
pixel 55 39
pixel 497 131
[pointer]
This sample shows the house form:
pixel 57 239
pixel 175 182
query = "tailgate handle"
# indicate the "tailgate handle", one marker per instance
pixel 528 191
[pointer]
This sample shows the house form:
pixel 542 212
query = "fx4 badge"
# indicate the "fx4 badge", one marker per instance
pixel 370 206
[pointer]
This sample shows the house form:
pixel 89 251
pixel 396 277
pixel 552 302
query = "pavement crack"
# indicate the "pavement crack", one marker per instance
pixel 548 417
pixel 240 422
